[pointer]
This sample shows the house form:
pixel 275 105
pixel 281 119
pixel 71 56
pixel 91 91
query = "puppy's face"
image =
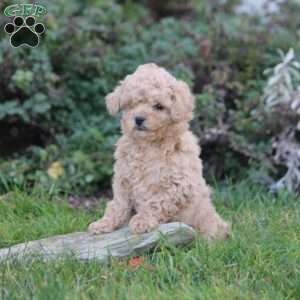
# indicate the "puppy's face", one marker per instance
pixel 150 117
pixel 152 102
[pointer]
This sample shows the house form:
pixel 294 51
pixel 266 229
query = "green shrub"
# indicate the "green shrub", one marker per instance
pixel 57 90
pixel 61 85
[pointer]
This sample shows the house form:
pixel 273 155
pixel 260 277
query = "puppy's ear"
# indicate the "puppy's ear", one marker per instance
pixel 113 101
pixel 183 102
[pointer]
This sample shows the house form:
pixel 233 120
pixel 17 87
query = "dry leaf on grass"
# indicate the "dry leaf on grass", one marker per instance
pixel 136 262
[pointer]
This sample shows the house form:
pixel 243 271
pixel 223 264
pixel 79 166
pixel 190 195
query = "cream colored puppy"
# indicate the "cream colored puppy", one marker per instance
pixel 158 172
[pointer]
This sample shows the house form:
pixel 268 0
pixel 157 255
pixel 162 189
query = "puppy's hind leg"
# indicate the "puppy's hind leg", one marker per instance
pixel 203 217
pixel 213 226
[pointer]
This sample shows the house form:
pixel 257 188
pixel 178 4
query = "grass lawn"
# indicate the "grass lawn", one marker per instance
pixel 260 261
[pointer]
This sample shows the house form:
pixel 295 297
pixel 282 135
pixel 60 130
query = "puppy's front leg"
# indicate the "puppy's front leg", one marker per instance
pixel 116 214
pixel 157 211
pixel 118 211
pixel 143 222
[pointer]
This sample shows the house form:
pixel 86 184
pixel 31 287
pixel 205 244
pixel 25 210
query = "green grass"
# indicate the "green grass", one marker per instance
pixel 260 261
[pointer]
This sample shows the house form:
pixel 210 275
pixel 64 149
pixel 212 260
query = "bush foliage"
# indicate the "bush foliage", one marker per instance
pixel 54 129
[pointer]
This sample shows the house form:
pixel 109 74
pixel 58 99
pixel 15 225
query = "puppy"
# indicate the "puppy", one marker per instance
pixel 158 172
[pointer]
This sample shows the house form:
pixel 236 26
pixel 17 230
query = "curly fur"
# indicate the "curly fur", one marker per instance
pixel 158 172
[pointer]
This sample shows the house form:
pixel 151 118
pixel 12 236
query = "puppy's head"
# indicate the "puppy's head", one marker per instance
pixel 152 102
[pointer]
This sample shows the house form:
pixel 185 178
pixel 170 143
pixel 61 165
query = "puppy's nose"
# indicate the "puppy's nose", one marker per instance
pixel 139 121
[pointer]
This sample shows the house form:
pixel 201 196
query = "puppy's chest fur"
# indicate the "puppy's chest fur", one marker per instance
pixel 146 171
pixel 141 167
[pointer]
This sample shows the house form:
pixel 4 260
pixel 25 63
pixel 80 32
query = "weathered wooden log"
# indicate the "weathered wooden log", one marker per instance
pixel 84 246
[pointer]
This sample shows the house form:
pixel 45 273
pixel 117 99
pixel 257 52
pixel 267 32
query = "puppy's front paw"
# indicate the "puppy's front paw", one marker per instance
pixel 142 224
pixel 101 226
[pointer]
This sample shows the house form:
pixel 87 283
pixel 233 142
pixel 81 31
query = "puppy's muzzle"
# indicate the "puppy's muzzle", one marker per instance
pixel 140 123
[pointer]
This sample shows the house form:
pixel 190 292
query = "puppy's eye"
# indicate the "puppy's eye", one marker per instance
pixel 158 106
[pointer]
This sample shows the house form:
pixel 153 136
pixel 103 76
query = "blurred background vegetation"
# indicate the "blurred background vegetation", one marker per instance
pixel 54 128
